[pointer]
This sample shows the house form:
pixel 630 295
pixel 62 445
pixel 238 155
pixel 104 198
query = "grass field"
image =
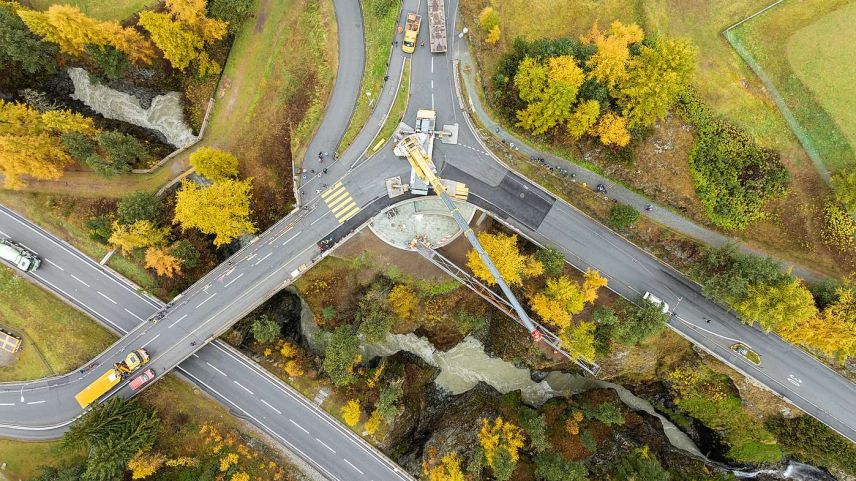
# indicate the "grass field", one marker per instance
pixel 379 19
pixel 57 338
pixel 272 94
pixel 100 9
pixel 399 107
pixel 723 80
pixel 796 45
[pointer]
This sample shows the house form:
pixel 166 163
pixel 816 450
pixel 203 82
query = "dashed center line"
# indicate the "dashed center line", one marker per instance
pixel 316 220
pixel 6 404
pixel 299 426
pixel 214 368
pixel 131 313
pixel 105 296
pixel 177 321
pixel 54 264
pixel 206 300
pixel 325 445
pixel 244 388
pixel 233 280
pixel 351 465
pixel 36 402
pixel 79 280
pixel 268 405
pixel 290 238
pixel 263 258
pixel 150 340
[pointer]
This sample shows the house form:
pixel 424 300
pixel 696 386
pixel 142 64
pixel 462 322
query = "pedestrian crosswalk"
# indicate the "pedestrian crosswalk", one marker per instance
pixel 340 202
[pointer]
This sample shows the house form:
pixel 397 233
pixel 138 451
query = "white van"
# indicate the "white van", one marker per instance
pixel 656 301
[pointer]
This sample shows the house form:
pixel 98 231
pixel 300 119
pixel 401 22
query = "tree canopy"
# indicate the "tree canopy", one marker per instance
pixel 222 209
pixel 511 264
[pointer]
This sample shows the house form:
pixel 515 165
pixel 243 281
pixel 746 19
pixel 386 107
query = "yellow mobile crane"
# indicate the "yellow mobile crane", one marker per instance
pixel 411 147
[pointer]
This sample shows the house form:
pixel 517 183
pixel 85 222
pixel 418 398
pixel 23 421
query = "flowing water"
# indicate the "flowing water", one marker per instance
pixel 164 115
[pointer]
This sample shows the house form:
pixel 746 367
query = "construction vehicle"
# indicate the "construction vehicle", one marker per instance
pixel 19 256
pixel 411 30
pixel 413 147
pixel 111 378
pixel 437 26
pixel 425 121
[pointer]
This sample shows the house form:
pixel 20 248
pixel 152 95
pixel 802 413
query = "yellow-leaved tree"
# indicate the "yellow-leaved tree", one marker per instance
pixel 612 130
pixel 549 90
pixel 72 30
pixel 511 264
pixel 351 412
pixel 30 142
pixel 550 310
pixel 779 307
pixel 501 442
pixel 448 469
pixel 402 300
pixel 833 331
pixel 183 32
pixel 583 118
pixel 141 233
pixel 609 63
pixel 214 164
pixel 578 340
pixel 145 464
pixel 163 263
pixel 592 281
pixel 222 209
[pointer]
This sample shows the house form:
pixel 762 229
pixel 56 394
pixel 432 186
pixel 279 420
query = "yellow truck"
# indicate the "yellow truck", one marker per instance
pixel 411 30
pixel 111 378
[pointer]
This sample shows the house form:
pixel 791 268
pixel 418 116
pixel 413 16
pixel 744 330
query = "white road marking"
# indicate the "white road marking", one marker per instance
pixel 290 238
pixel 432 84
pixel 177 321
pixel 299 426
pixel 245 389
pixel 150 340
pixel 432 100
pixel 106 297
pixel 268 405
pixel 80 281
pixel 69 296
pixel 4 234
pixel 351 465
pixel 6 404
pixel 263 258
pixel 316 220
pixel 54 264
pixel 131 313
pixel 233 280
pixel 36 402
pixel 194 355
pixel 325 445
pixel 206 300
pixel 214 368
pixel 432 64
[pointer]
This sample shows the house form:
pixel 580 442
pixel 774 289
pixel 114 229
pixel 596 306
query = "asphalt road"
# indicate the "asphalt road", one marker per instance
pixel 40 409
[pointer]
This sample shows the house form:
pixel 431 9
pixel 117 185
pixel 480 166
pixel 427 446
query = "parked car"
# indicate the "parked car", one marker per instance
pixel 656 301
pixel 143 378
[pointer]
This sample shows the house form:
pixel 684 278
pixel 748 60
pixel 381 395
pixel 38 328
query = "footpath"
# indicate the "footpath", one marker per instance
pixel 660 214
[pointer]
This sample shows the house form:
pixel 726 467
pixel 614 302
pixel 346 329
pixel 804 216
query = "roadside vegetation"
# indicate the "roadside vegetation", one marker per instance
pixel 55 337
pixel 100 9
pixel 399 108
pixel 171 432
pixel 379 24
pixel 668 161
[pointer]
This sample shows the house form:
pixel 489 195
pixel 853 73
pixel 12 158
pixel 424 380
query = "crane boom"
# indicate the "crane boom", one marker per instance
pixel 421 164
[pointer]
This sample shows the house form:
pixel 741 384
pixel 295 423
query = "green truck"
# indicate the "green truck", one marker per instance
pixel 19 256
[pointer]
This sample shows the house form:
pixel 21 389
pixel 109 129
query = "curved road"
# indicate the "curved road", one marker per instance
pixel 41 409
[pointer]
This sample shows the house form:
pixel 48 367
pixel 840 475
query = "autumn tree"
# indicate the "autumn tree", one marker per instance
pixel 777 307
pixel 448 469
pixel 549 90
pixel 163 263
pixel 402 300
pixel 214 164
pixel 183 32
pixel 833 331
pixel 140 206
pixel 550 310
pixel 609 63
pixel 501 442
pixel 30 141
pixel 145 464
pixel 493 36
pixel 838 226
pixel 611 129
pixel 21 52
pixel 72 30
pixel 579 340
pixel 655 78
pixel 844 183
pixel 343 351
pixel 511 264
pixel 137 235
pixel 488 18
pixel 222 209
pixel 566 291
pixel 583 118
pixel 351 412
pixel 592 281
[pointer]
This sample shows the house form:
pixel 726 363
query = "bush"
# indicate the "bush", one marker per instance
pixel 186 253
pixel 623 217
pixel 824 292
pixel 733 176
pixel 120 150
pixel 100 228
pixel 232 11
pixel 554 467
pixel 640 323
pixel 552 259
pixel 607 413
pixel 265 329
pixel 343 349
pixel 838 226
pixel 140 206
pixel 488 19
pixel 813 442
pixel 111 62
pixel 640 465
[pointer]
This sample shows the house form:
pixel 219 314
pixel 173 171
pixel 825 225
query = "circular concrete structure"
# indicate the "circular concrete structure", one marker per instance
pixel 423 217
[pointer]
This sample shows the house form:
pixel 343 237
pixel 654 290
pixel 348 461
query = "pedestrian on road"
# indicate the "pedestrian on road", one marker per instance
pixel 707 321
pixel 325 171
pixel 311 171
pixel 423 43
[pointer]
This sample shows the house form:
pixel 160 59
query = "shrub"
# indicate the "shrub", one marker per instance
pixel 640 323
pixel 607 413
pixel 623 217
pixel 813 442
pixel 234 12
pixel 838 226
pixel 488 19
pixel 343 350
pixel 140 206
pixel 186 252
pixel 552 259
pixel 265 329
pixel 111 62
pixel 554 467
pixel 100 228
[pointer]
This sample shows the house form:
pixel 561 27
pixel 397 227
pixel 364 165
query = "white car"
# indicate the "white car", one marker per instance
pixel 656 301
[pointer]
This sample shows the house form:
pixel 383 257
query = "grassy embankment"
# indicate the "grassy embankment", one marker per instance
pixel 56 337
pixel 183 411
pixel 723 80
pixel 399 107
pixel 379 20
pixel 803 49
